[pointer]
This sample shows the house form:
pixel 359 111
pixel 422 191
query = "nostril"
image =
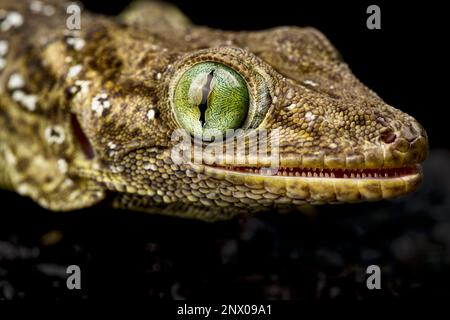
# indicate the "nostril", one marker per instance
pixel 388 136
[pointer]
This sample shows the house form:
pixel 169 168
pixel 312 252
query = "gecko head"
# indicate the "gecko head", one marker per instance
pixel 330 139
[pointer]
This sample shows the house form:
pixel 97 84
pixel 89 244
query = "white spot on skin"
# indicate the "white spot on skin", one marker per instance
pixel 83 85
pixel 36 6
pixel 76 43
pixel 151 114
pixel 68 183
pixel 112 148
pixel 15 81
pixel 62 166
pixel 309 116
pixel 18 95
pixel 23 189
pixel 310 83
pixel 48 10
pixel 54 134
pixel 40 162
pixel 29 101
pixel 158 76
pixel 290 94
pixel 333 145
pixel 292 106
pixel 74 89
pixel 74 71
pixel 116 169
pixel 10 157
pixel 150 166
pixel 3 48
pixel 99 103
pixel 12 20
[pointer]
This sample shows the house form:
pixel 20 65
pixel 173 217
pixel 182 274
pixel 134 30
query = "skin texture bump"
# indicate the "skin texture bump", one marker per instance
pixel 86 116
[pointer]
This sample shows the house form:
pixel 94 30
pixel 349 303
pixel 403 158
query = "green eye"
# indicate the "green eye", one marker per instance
pixel 211 97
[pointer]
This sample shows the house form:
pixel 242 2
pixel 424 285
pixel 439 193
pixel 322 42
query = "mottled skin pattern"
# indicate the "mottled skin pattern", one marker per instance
pixel 115 77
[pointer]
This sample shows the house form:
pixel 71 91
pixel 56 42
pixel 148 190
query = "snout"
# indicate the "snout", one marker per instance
pixel 405 145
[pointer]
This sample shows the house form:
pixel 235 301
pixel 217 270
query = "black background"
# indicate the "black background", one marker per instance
pixel 321 255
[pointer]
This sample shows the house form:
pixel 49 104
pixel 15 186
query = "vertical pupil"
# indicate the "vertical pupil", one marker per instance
pixel 205 93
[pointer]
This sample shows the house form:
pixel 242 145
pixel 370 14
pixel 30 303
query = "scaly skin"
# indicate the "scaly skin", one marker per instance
pixel 91 122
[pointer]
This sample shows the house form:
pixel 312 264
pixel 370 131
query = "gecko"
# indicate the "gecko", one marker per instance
pixel 87 116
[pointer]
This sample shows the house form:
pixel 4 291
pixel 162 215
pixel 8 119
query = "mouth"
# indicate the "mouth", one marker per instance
pixel 318 185
pixel 332 173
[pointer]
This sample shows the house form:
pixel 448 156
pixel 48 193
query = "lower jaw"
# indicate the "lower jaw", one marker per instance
pixel 318 186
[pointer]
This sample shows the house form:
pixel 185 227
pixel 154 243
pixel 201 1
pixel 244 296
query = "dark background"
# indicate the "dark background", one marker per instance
pixel 319 255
